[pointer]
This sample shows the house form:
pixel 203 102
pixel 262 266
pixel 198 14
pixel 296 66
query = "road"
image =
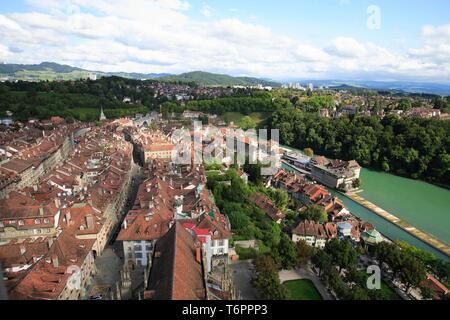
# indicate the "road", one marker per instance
pixel 242 275
pixel 110 262
pixel 108 267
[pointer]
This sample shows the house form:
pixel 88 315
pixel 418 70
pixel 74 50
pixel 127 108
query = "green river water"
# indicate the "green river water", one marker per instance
pixel 423 205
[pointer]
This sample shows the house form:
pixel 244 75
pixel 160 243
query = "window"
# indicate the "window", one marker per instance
pixel 220 243
pixel 46 220
pixel 37 221
pixel 21 222
pixel 138 254
pixel 12 221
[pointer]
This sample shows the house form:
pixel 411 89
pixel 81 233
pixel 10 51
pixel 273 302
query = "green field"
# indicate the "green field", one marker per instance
pixel 235 117
pixel 389 292
pixel 50 75
pixel 302 290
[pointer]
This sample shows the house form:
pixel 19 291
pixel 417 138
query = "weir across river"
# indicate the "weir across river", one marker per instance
pixel 425 237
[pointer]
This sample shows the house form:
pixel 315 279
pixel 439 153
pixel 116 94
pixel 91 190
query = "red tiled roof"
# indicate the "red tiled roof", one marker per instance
pixel 175 272
pixel 267 206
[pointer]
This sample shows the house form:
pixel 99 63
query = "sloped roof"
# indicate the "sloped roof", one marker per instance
pixel 175 273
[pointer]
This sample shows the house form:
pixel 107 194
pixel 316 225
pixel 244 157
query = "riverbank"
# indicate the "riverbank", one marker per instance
pixel 421 204
pixel 425 237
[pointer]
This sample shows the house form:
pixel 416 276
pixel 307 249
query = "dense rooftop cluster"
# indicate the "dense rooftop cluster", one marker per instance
pixel 52 230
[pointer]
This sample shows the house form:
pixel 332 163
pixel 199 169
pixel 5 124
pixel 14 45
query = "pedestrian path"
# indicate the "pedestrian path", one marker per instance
pixel 306 273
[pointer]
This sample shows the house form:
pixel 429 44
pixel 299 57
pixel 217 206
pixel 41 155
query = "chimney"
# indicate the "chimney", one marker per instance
pixel 55 261
pixel 41 211
pixel 35 187
pixel 57 202
pixel 198 252
pixel 23 249
pixel 125 223
pixel 68 218
pixel 50 242
pixel 90 222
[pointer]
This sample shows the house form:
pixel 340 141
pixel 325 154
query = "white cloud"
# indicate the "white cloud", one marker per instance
pixel 310 54
pixel 5 53
pixel 441 32
pixel 346 47
pixel 436 48
pixel 206 10
pixel 159 36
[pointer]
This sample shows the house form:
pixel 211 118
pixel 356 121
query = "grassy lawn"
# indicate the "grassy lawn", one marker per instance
pixel 389 292
pixel 302 290
pixel 258 117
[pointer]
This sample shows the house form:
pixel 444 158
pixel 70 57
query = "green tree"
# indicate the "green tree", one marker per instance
pixel 247 123
pixel 357 183
pixel 309 152
pixel 304 253
pixel 342 253
pixel 412 273
pixel 315 213
pixel 322 261
pixel 426 293
pixel 267 281
pixel 288 252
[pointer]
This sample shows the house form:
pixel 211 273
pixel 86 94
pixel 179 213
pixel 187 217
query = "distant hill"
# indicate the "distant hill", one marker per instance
pixel 11 69
pixel 442 89
pixel 214 79
pixel 54 71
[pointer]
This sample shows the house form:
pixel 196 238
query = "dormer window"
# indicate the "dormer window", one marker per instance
pixel 37 221
pixel 12 221
pixel 46 220
pixel 21 222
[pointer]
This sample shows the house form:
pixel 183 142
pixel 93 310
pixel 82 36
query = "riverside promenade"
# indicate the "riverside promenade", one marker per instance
pixel 425 237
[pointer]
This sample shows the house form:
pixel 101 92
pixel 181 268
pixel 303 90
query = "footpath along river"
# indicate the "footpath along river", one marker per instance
pixel 423 205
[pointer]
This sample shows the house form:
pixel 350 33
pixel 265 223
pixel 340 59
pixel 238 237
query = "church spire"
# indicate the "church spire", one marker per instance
pixel 102 115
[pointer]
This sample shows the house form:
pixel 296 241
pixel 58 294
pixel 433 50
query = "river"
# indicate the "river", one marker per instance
pixel 421 204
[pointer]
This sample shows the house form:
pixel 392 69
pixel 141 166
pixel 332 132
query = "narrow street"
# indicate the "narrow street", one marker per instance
pixel 242 275
pixel 110 263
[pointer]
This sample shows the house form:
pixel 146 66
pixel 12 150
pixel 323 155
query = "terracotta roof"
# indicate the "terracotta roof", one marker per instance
pixel 435 286
pixel 17 165
pixel 175 272
pixel 265 204
pixel 310 228
pixel 140 225
pixel 22 253
pixel 216 223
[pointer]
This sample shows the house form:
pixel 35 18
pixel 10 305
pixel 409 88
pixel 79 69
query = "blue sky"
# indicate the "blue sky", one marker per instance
pixel 279 39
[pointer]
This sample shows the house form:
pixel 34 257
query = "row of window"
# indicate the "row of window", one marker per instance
pixel 22 222
pixel 217 243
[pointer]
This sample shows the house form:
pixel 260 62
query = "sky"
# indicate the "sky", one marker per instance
pixel 283 39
